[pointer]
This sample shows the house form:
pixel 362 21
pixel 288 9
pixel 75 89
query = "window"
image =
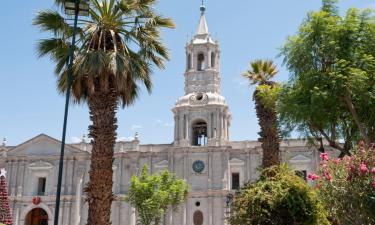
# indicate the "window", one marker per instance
pixel 302 174
pixel 213 59
pixel 200 134
pixel 42 185
pixel 200 62
pixel 235 181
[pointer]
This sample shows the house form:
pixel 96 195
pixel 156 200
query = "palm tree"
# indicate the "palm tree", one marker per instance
pixel 117 47
pixel 260 73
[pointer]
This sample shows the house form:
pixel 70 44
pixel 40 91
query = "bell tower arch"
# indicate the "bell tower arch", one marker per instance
pixel 202 116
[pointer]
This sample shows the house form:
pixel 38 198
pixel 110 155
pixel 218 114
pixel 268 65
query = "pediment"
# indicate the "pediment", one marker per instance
pixel 162 164
pixel 236 161
pixel 41 145
pixel 299 159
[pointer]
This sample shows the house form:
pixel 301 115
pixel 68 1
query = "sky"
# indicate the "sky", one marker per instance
pixel 246 29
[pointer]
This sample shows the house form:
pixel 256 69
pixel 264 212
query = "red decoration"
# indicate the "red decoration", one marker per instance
pixel 5 213
pixel 36 200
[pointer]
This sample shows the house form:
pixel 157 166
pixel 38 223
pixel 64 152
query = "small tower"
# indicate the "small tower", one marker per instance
pixel 202 116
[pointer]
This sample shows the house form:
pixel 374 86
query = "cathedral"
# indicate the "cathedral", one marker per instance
pixel 201 153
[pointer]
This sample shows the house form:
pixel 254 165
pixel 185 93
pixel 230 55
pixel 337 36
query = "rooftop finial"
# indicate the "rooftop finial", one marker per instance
pixel 203 8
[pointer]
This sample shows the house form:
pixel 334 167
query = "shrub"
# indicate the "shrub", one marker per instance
pixel 347 186
pixel 279 197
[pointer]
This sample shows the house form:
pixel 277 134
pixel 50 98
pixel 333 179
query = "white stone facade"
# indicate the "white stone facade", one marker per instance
pixel 39 157
pixel 202 121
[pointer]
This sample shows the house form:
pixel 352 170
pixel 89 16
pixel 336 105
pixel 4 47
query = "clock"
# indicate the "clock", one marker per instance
pixel 198 166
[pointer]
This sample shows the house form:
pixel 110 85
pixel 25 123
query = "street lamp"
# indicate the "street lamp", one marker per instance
pixel 76 8
pixel 83 7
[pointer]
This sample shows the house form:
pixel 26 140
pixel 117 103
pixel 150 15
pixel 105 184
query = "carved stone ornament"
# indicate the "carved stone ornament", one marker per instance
pixel 199 99
pixel 36 200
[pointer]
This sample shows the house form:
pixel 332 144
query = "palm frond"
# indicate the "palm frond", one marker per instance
pixel 49 20
pixel 120 42
pixel 260 71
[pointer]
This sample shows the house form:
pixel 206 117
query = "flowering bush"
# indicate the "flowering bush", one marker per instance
pixel 279 197
pixel 347 186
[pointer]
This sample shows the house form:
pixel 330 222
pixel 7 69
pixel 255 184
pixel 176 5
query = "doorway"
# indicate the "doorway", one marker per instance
pixel 37 216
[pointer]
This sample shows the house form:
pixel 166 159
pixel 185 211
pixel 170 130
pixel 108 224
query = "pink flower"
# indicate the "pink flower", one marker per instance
pixel 363 168
pixel 324 156
pixel 373 170
pixel 312 176
pixel 328 177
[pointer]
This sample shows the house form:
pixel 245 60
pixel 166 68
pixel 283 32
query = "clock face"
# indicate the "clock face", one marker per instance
pixel 198 166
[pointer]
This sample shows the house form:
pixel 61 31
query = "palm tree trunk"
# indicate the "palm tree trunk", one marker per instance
pixel 269 134
pixel 102 107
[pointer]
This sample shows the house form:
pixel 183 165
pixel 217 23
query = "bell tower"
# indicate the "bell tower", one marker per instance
pixel 202 117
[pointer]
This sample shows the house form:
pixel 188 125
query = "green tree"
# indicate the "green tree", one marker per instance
pixel 260 73
pixel 118 46
pixel 279 197
pixel 332 87
pixel 152 195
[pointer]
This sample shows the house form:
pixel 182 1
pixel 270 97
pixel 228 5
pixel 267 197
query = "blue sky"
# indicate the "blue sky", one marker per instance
pixel 246 29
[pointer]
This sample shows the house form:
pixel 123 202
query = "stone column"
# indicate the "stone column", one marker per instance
pixel 184 214
pixel 123 219
pixel 70 176
pixel 187 127
pixel 228 128
pixel 132 216
pixel 209 59
pixel 77 211
pixel 21 176
pixel 210 211
pixel 218 126
pixel 10 177
pixel 176 127
pixel 181 127
pixel 225 127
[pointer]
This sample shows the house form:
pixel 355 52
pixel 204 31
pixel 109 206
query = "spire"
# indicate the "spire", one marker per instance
pixel 202 28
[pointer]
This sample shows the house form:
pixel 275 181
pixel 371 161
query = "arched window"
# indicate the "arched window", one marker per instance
pixel 189 66
pixel 200 62
pixel 199 133
pixel 198 218
pixel 213 59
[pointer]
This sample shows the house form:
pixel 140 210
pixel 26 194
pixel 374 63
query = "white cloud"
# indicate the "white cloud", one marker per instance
pixel 136 127
pixel 125 138
pixel 241 82
pixel 169 124
pixel 161 123
pixel 75 139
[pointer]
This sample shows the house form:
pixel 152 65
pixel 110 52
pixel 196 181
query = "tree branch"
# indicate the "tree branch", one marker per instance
pixel 349 103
